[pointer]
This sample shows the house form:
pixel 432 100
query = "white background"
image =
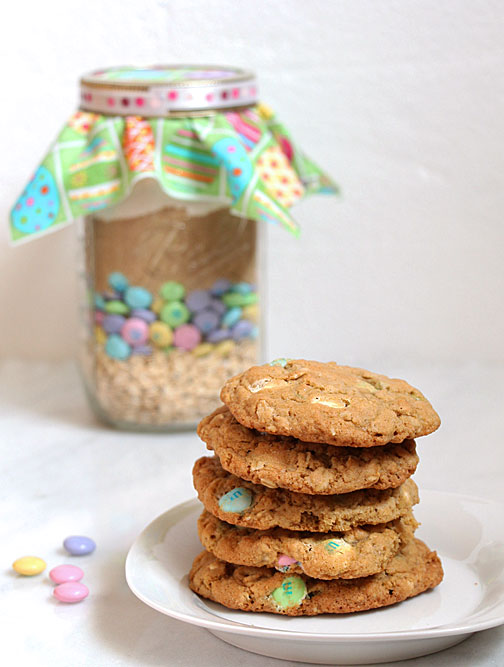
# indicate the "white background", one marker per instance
pixel 401 101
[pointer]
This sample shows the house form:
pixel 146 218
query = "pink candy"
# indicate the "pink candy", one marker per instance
pixel 70 591
pixel 284 561
pixel 187 337
pixel 64 573
pixel 135 331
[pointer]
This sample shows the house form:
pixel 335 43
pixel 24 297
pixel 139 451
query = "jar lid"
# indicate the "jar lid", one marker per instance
pixel 167 90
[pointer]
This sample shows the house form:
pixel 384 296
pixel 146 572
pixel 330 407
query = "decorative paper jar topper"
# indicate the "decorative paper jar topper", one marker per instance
pixel 199 131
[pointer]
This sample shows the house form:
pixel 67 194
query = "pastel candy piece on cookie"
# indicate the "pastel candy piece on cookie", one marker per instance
pixel 137 297
pixel 117 348
pixel 38 206
pixel 144 314
pixel 237 500
pixel 175 313
pixel 198 300
pixel 220 287
pixel 113 323
pixel 135 331
pixel 290 593
pixel 186 337
pixel 160 334
pixel 206 320
pixel 328 403
pixel 172 291
pixel 118 281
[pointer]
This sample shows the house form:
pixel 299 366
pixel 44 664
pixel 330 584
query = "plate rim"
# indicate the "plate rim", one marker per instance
pixel 223 625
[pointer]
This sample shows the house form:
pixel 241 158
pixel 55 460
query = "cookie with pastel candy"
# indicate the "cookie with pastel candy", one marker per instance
pixel 308 497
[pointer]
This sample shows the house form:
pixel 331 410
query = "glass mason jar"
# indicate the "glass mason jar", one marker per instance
pixel 172 307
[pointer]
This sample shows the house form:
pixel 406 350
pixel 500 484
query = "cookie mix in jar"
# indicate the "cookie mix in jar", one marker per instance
pixel 172 173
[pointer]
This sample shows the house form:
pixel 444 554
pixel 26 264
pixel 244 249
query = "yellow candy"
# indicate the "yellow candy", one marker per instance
pixel 202 349
pixel 160 334
pixel 265 111
pixel 100 335
pixel 157 304
pixel 251 312
pixel 224 348
pixel 29 565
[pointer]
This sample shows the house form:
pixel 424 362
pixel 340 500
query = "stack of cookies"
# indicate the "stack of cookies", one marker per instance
pixel 308 499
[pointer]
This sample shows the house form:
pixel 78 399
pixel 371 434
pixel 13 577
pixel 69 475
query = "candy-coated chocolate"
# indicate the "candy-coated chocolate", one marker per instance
pixel 251 312
pixel 99 302
pixel 284 560
pixel 232 299
pixel 206 320
pixel 218 335
pixel 279 362
pixel 242 288
pixel 135 331
pixel 29 565
pixel 62 573
pixel 172 291
pixel 70 591
pixel 118 281
pixel 218 307
pixel 137 297
pixel 187 337
pixel 113 323
pixel 291 593
pixel 79 545
pixel 198 300
pixel 202 349
pixel 175 313
pixel 254 332
pixel 100 335
pixel 144 314
pixel 160 334
pixel 220 287
pixel 224 348
pixel 117 348
pixel 99 316
pixel 116 308
pixel 241 329
pixel 232 316
pixel 238 500
pixel 157 305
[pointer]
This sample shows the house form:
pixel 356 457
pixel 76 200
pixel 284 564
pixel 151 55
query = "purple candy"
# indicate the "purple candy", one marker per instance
pixel 220 286
pixel 218 307
pixel 141 349
pixel 242 329
pixel 198 300
pixel 218 335
pixel 113 323
pixel 144 314
pixel 206 321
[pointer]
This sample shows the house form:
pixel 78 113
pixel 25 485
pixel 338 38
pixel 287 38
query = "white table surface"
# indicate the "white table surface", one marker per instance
pixel 62 473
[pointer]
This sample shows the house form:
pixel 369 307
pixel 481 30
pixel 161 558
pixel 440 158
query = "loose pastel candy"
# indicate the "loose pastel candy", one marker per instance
pixel 137 297
pixel 232 317
pixel 220 287
pixel 224 348
pixel 116 308
pixel 238 499
pixel 78 545
pixel 157 305
pixel 118 281
pixel 251 312
pixel 203 349
pixel 242 288
pixel 232 299
pixel 100 335
pixel 99 316
pixel 144 350
pixel 99 302
pixel 70 591
pixel 291 593
pixel 206 320
pixel 62 573
pixel 113 323
pixel 198 300
pixel 241 329
pixel 254 332
pixel 175 313
pixel 217 306
pixel 117 348
pixel 29 565
pixel 218 335
pixel 135 331
pixel 187 337
pixel 160 334
pixel 144 314
pixel 172 291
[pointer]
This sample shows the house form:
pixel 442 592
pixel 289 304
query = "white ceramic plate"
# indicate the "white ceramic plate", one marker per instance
pixel 467 533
